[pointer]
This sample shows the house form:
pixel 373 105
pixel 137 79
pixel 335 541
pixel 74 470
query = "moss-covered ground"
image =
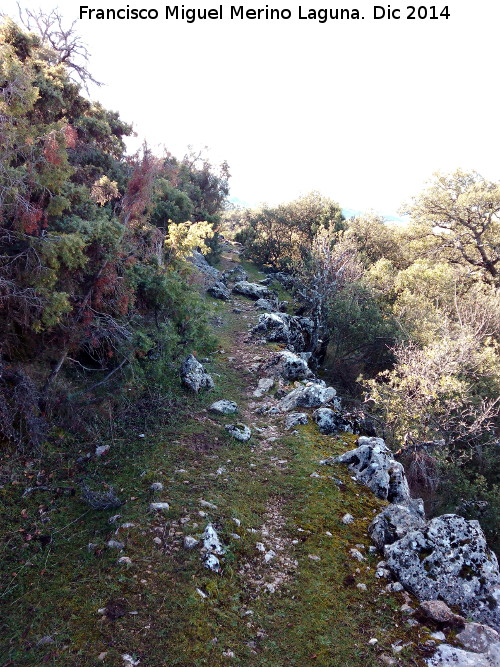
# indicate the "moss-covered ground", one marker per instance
pixel 166 608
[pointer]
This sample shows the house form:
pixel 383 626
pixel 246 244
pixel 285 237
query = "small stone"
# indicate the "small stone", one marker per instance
pixel 439 636
pixel 125 560
pixel 406 609
pixel 373 641
pixel 114 518
pixel 235 536
pixel 439 612
pixel 313 557
pixel 190 542
pixel 159 507
pixel 239 431
pixel 44 641
pixel 205 503
pixel 237 522
pixel 362 587
pixel 347 519
pixel 156 486
pixel 201 593
pixel 260 547
pixel 269 555
pixel 129 661
pixel 157 540
pixel 115 544
pixel 356 554
pixel 224 407
pixel 101 450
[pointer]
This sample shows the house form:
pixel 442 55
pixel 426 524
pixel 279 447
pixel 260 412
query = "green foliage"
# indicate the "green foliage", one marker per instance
pixel 282 236
pixel 91 267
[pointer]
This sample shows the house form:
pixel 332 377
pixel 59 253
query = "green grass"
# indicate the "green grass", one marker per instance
pixel 317 617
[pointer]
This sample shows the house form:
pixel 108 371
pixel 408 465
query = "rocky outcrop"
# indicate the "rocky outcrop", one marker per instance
pixel 310 396
pixel 395 521
pixel 224 407
pixel 449 559
pixel 199 261
pixel 288 366
pixel 252 290
pixel 478 637
pixel 374 466
pixel 219 291
pixel 194 376
pixel 295 332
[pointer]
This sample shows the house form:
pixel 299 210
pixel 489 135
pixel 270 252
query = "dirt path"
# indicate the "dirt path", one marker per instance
pixel 289 592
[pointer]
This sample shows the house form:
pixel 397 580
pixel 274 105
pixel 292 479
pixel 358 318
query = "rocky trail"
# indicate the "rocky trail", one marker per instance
pixel 245 535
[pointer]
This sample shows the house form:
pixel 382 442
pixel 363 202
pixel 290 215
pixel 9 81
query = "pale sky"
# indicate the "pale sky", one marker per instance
pixel 363 111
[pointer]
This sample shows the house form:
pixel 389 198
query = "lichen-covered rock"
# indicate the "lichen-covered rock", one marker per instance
pixel 251 290
pixel 450 656
pixel 295 332
pixel 219 291
pixel 235 274
pixel 239 431
pixel 450 560
pixel 289 366
pixel 374 466
pixel 194 376
pixel 199 261
pixel 265 304
pixel 294 419
pixel 330 421
pixel 212 547
pixel 477 637
pixel 395 521
pixel 224 407
pixel 310 396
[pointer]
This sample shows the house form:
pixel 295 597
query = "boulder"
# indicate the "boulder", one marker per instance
pixel 224 407
pixel 295 332
pixel 235 274
pixel 295 418
pixel 310 396
pixel 194 376
pixel 395 521
pixel 374 466
pixel 219 291
pixel 330 421
pixel 239 431
pixel 448 559
pixel 289 366
pixel 251 290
